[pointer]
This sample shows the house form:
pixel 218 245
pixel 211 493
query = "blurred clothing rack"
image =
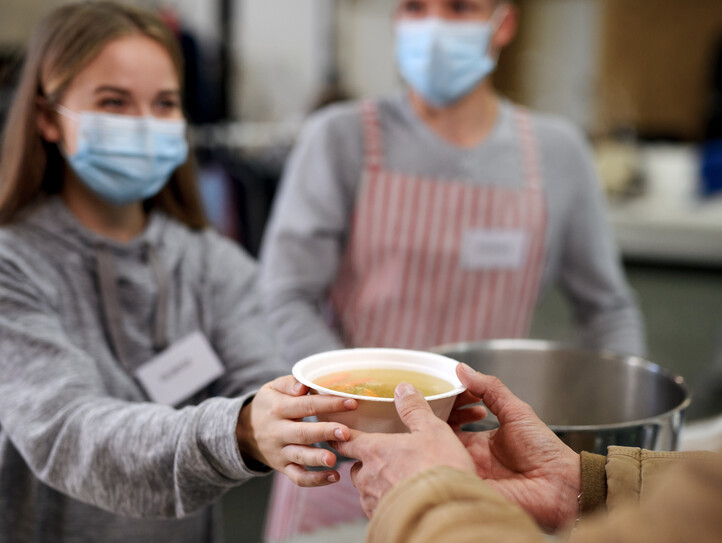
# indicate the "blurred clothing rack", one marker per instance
pixel 248 136
pixel 239 169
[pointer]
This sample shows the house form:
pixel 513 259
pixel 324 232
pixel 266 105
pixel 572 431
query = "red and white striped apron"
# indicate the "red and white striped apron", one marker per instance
pixel 402 283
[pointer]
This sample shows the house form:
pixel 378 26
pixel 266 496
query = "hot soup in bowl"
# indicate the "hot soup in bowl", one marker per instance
pixel 371 375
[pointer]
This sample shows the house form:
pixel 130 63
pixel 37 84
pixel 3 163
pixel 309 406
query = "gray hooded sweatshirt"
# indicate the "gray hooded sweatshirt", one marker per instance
pixel 84 454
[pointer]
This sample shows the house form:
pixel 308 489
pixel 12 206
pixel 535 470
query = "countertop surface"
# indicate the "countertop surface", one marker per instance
pixel 670 222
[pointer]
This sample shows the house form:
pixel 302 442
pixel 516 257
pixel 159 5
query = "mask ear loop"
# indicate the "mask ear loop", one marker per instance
pixel 65 112
pixel 49 105
pixel 501 11
pixel 69 114
pixel 495 21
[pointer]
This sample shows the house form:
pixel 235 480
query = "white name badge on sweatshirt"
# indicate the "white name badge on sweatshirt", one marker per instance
pixel 493 249
pixel 184 368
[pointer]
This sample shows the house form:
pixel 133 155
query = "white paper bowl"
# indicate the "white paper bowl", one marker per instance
pixel 378 414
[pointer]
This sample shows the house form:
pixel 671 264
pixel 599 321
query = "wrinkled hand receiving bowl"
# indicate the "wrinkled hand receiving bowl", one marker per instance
pixel 360 374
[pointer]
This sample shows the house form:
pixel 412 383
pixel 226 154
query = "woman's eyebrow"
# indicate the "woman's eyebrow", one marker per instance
pixel 109 88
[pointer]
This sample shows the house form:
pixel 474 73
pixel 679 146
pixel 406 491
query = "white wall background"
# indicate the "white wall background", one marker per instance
pixel 282 53
pixel 279 58
pixel 366 46
pixel 560 61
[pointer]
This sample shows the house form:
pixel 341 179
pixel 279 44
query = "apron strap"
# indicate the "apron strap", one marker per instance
pixel 528 141
pixel 373 136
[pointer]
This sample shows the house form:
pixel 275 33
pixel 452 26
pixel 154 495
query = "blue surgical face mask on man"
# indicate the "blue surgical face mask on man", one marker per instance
pixel 445 60
pixel 126 159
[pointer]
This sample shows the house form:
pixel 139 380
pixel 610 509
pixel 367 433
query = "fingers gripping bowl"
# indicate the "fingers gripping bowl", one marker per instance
pixel 378 414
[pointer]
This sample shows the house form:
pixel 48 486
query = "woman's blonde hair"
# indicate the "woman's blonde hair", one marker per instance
pixel 62 45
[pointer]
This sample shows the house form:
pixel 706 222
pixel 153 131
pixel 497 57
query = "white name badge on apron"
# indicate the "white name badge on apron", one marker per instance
pixel 493 249
pixel 184 368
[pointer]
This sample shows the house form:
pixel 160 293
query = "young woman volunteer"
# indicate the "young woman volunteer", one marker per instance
pixel 436 215
pixel 113 294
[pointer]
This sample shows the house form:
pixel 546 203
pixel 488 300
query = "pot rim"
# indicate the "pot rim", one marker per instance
pixel 603 354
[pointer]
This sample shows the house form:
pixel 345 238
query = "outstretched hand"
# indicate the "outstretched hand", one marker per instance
pixel 387 459
pixel 272 431
pixel 522 459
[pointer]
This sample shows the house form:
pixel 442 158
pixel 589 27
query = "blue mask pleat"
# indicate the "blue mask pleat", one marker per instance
pixel 127 159
pixel 444 60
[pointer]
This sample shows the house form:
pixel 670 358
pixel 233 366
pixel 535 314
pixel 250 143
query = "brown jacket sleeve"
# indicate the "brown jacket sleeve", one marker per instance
pixel 660 497
pixel 651 497
pixel 445 504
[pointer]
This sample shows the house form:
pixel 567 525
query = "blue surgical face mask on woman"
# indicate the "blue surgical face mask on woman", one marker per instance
pixel 444 60
pixel 126 159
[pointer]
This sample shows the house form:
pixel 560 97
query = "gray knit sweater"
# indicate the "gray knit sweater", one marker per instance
pixel 84 456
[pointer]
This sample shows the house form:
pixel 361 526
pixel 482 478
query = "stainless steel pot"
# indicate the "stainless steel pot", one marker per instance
pixel 590 399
